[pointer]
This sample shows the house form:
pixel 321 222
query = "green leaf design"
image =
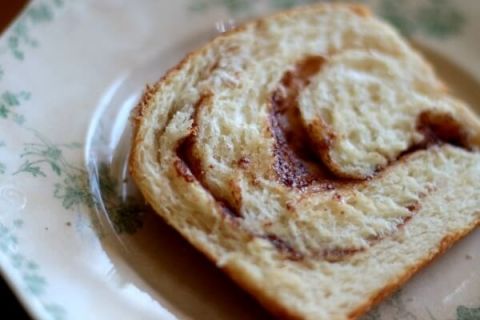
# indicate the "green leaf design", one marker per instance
pixel 43 157
pixel 233 6
pixel 18 118
pixel 436 18
pixel 41 13
pixel 9 101
pixel 29 270
pixel 73 145
pixel 55 311
pixel 126 215
pixel 18 223
pixel 32 168
pixel 74 190
pixel 440 19
pixel 32 266
pixel 395 307
pixel 464 313
pixel 35 283
pixel 285 4
pixel 56 168
pixel 17 260
pixel 236 5
pixel 7 239
pixel 19 37
pixel 398 15
pixel 38 154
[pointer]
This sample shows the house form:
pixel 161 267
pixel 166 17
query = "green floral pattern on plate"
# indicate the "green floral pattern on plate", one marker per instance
pixel 19 37
pixel 436 18
pixel 43 158
pixel 41 155
pixel 397 309
pixel 464 313
pixel 124 214
pixel 236 7
pixel 33 280
pixel 9 101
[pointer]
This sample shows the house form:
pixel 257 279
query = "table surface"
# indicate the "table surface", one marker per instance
pixel 10 305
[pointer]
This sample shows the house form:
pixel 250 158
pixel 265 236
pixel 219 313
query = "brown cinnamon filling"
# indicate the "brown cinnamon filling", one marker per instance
pixel 298 166
pixel 335 255
pixel 189 165
pixel 284 247
pixel 438 128
pixel 295 164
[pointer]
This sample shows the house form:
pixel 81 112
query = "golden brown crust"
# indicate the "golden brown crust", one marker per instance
pixel 393 286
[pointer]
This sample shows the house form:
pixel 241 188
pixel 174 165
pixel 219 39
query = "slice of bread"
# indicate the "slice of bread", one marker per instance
pixel 314 156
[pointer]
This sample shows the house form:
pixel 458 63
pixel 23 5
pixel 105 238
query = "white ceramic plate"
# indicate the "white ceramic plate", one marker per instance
pixel 76 242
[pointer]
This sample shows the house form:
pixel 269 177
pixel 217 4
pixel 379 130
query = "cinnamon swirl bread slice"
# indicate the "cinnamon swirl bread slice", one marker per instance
pixel 314 156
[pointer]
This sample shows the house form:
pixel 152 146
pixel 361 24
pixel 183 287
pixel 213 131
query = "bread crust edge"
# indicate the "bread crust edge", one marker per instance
pixel 446 242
